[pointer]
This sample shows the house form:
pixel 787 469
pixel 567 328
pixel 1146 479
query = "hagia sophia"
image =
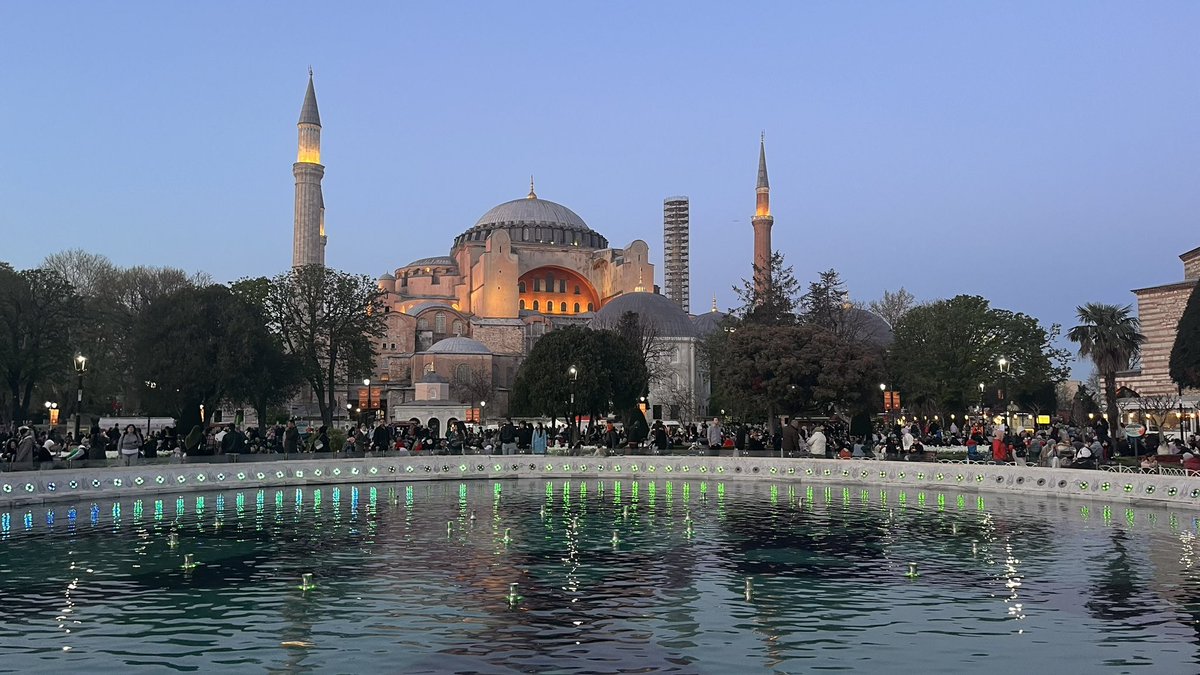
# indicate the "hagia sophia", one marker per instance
pixel 458 325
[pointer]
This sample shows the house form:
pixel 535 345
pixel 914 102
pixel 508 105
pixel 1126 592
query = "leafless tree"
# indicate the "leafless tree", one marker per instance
pixel 471 385
pixel 85 271
pixel 893 306
pixel 1156 410
pixel 682 397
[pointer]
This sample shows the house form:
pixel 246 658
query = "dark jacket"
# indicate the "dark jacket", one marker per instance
pixel 291 439
pixel 381 439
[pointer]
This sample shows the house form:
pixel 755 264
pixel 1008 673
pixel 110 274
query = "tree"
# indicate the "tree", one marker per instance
pixel 329 321
pixel 943 351
pixel 471 385
pixel 86 272
pixel 777 305
pixel 1111 337
pixel 893 306
pixel 1156 409
pixel 37 308
pixel 192 344
pixel 654 350
pixel 1185 353
pixel 826 301
pixel 610 374
pixel 270 376
pixel 805 367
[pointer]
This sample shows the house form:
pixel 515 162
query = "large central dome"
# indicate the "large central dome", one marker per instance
pixel 535 221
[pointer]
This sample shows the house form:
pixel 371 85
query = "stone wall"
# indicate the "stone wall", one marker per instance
pixel 24 489
pixel 1159 310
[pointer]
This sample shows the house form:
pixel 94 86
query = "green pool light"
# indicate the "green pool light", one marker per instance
pixel 306 582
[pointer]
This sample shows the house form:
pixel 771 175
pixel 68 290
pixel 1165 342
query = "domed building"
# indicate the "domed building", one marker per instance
pixel 679 390
pixel 525 267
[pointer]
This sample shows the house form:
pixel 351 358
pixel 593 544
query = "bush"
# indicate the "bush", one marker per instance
pixel 337 440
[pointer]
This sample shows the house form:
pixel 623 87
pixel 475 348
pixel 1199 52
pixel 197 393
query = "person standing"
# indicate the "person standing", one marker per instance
pixel 291 438
pixel 538 439
pixel 817 442
pixel 508 438
pixel 713 437
pixel 129 444
pixel 381 440
pixel 24 454
pixel 790 446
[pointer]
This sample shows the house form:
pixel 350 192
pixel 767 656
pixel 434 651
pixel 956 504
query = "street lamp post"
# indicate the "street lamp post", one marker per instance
pixel 152 386
pixel 349 407
pixel 1005 369
pixel 573 373
pixel 367 384
pixel 482 417
pixel 80 369
pixel 51 412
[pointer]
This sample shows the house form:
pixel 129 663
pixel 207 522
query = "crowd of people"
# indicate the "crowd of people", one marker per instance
pixel 985 441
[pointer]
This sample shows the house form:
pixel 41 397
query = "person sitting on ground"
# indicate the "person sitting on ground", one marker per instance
pixel 1149 463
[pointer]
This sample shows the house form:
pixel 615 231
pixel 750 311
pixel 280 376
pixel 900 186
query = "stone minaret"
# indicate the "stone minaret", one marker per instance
pixel 762 222
pixel 308 239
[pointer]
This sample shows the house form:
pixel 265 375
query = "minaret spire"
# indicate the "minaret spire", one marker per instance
pixel 762 222
pixel 308 237
pixel 532 194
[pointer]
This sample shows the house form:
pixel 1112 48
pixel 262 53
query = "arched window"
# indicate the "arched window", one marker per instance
pixel 537 285
pixel 562 307
pixel 522 303
pixel 462 374
pixel 535 305
pixel 521 287
pixel 577 290
pixel 550 283
pixel 591 307
pixel 524 234
pixel 550 306
pixel 537 233
pixel 439 322
pixel 458 327
pixel 422 324
pixel 577 308
pixel 562 285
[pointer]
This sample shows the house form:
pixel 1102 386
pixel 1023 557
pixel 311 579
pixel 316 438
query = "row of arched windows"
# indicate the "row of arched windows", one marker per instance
pixel 544 235
pixel 548 287
pixel 562 306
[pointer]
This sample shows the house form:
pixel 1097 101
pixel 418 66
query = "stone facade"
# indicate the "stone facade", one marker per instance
pixel 1159 309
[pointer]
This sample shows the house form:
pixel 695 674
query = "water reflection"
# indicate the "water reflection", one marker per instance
pixel 416 578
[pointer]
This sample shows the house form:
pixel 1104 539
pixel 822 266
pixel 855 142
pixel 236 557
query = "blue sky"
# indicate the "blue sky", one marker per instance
pixel 1040 154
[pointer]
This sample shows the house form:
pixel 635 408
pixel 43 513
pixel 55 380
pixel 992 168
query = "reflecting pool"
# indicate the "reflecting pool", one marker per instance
pixel 611 576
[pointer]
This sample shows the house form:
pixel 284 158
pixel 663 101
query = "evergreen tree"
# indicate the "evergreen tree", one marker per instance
pixel 826 301
pixel 774 306
pixel 1185 354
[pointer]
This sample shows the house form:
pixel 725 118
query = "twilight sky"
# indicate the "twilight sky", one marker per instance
pixel 1040 154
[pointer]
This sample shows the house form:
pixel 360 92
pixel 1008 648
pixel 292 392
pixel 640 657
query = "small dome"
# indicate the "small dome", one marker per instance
pixel 667 317
pixel 707 324
pixel 458 345
pixel 386 277
pixel 432 377
pixel 435 261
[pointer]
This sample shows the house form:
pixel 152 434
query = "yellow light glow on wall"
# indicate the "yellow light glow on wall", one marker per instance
pixel 309 156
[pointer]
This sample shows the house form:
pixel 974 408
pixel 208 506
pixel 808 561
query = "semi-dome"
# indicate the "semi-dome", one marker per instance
pixel 458 345
pixel 535 221
pixel 658 311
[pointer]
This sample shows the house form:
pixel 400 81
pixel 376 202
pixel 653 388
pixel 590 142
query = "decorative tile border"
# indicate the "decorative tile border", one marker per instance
pixel 22 488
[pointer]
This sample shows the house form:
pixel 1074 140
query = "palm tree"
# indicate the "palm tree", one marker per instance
pixel 1111 337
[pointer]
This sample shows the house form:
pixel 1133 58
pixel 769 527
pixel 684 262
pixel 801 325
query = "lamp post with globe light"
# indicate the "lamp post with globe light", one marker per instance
pixel 367 384
pixel 80 369
pixel 573 373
